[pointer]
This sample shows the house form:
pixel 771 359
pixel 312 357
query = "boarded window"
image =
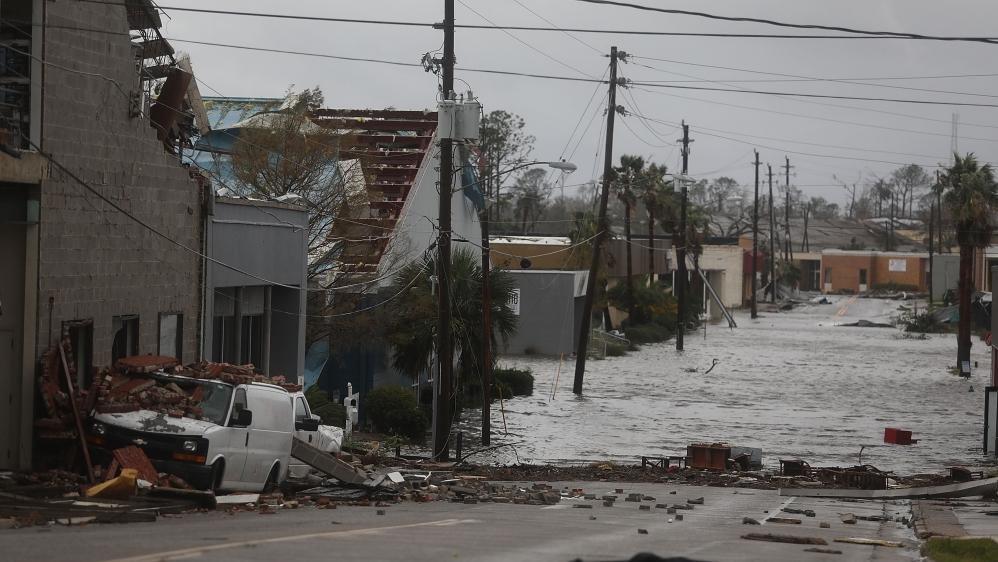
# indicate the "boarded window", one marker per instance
pixel 171 335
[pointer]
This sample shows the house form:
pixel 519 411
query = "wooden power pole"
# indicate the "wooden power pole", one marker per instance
pixel 444 394
pixel 682 279
pixel 772 239
pixel 755 239
pixel 602 227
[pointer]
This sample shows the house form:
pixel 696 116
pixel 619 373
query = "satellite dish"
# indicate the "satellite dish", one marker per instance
pixel 525 263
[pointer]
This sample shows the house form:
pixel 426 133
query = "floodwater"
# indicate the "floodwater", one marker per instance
pixel 792 383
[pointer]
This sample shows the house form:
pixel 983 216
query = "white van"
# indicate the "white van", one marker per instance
pixel 242 441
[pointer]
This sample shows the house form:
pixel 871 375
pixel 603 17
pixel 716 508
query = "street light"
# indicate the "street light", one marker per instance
pixel 566 168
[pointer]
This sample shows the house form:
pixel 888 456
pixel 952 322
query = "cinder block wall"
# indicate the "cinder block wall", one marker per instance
pixel 95 263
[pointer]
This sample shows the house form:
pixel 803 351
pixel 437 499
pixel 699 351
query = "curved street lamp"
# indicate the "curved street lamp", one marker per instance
pixel 566 168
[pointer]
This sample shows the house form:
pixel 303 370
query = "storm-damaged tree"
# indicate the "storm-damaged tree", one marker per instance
pixel 654 193
pixel 530 193
pixel 503 144
pixel 283 155
pixel 909 180
pixel 627 178
pixel 970 194
pixel 719 190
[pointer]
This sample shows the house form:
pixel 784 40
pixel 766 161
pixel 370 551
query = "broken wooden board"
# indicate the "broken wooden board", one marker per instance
pixel 325 463
pixel 769 537
pixel 869 542
pixel 984 487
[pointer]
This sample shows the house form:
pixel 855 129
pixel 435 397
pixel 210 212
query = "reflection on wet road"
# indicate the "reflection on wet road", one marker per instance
pixel 792 383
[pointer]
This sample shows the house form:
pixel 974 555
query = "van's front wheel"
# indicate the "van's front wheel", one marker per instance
pixel 272 483
pixel 217 474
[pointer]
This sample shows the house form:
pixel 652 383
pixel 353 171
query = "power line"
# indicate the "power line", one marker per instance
pixel 526 44
pixel 814 117
pixel 901 35
pixel 806 95
pixel 702 129
pixel 875 36
pixel 826 145
pixel 800 78
pixel 582 116
pixel 797 77
pixel 551 23
pixel 378 61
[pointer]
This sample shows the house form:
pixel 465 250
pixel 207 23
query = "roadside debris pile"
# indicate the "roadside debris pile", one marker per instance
pixel 125 496
pixel 131 385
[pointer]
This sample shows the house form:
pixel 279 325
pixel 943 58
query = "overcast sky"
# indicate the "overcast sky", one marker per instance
pixel 895 133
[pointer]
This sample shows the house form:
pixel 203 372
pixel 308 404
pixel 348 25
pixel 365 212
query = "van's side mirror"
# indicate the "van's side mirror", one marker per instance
pixel 242 418
pixel 307 424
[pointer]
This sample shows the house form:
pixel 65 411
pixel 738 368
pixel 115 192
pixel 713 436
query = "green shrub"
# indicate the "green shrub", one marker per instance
pixel 328 411
pixel 519 382
pixel 615 349
pixel 921 323
pixel 893 287
pixel 651 302
pixel 393 410
pixel 652 332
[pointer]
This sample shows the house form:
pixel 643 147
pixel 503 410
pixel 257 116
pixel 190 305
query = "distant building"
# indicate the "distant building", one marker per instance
pixel 859 271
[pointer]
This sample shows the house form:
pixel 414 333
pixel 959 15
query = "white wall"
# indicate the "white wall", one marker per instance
pixel 416 231
pixel 726 259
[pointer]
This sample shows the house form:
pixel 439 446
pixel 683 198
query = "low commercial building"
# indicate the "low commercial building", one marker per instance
pixel 255 285
pixel 859 271
pixel 549 306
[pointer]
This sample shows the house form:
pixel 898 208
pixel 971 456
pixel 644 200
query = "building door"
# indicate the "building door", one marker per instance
pixel 862 280
pixel 9 423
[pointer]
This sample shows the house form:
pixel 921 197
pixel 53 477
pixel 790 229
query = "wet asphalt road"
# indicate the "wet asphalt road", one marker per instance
pixel 483 532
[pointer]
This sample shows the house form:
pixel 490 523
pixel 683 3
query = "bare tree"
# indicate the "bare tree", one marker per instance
pixel 283 153
pixel 909 179
pixel 719 190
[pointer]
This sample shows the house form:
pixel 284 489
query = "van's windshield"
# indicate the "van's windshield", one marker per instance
pixel 211 396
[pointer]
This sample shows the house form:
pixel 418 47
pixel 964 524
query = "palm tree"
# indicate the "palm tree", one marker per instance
pixel 413 322
pixel 628 174
pixel 653 192
pixel 970 193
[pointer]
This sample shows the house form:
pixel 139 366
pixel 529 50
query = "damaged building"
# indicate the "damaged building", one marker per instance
pixel 88 135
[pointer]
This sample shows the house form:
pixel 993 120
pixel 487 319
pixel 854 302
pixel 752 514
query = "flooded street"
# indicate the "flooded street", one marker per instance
pixel 791 383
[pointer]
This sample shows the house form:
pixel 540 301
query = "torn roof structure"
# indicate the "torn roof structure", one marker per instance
pixel 392 146
pixel 383 156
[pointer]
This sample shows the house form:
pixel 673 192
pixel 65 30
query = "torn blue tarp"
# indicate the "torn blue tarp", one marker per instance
pixel 315 361
pixel 469 180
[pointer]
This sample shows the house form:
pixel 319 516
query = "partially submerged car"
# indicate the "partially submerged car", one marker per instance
pixel 228 436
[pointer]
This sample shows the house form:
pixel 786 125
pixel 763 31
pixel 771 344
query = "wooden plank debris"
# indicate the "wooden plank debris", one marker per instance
pixel 326 463
pixel 792 539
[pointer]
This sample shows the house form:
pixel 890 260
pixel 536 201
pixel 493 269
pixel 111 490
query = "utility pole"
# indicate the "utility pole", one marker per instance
pixel 486 319
pixel 681 274
pixel 602 228
pixel 772 239
pixel 755 239
pixel 445 352
pixel 789 245
pixel 939 225
pixel 932 219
